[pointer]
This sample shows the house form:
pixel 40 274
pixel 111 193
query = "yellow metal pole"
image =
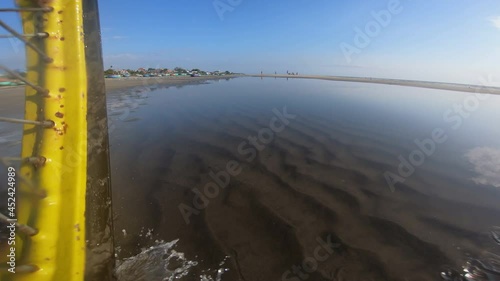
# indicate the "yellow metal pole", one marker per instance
pixel 57 251
pixel 64 214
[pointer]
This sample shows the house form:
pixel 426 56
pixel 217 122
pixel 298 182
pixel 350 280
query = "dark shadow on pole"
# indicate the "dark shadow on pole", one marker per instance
pixel 100 263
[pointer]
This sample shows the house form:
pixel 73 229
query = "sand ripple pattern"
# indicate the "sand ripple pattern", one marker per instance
pixel 321 177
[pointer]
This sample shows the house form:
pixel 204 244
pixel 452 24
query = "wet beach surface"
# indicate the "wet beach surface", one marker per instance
pixel 274 179
pixel 317 179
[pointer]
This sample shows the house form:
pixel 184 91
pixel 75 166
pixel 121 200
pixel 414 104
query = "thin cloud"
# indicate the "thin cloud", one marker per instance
pixel 496 22
pixel 118 37
pixel 486 161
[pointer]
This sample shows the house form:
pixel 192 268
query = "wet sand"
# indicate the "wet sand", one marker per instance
pixel 478 88
pixel 319 179
pixel 114 84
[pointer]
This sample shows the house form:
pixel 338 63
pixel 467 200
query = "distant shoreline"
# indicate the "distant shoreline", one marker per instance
pixel 396 82
pixel 12 97
pixel 114 84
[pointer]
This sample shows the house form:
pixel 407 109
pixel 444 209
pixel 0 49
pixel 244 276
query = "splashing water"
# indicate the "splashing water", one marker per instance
pixel 220 272
pixel 495 235
pixel 161 262
pixel 474 270
pixel 486 269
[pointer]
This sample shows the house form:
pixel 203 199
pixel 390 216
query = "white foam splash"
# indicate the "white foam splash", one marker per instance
pixel 161 262
pixel 219 272
pixel 486 161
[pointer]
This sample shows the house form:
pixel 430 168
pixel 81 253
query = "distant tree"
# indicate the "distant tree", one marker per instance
pixel 180 70
pixel 227 72
pixel 195 70
pixel 109 72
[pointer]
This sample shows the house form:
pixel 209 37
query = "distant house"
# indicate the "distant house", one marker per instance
pixel 166 72
pixel 123 72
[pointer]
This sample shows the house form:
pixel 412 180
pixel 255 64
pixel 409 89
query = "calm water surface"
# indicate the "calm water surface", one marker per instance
pixel 280 179
pixel 275 179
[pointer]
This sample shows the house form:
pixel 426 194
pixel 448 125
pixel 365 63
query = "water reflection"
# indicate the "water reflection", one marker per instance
pixel 322 175
pixel 486 161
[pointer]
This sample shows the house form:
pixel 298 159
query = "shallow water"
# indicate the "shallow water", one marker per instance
pixel 345 181
pixel 317 178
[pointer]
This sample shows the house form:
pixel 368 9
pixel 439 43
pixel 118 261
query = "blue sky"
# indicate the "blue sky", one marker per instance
pixel 453 41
